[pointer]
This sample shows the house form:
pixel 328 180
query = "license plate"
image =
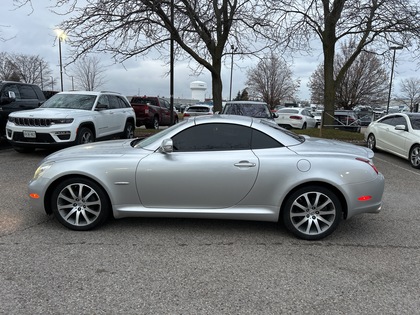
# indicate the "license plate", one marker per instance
pixel 29 134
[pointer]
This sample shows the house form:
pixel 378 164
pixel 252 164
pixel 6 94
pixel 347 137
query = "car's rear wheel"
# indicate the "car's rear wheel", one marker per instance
pixel 154 124
pixel 128 130
pixel 85 135
pixel 312 212
pixel 415 156
pixel 304 126
pixel 80 204
pixel 371 142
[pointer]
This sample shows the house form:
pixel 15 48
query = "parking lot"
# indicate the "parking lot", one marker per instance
pixel 369 265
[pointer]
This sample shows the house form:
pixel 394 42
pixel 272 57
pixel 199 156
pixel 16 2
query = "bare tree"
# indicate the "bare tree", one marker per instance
pixel 204 30
pixel 7 68
pixel 89 73
pixel 271 80
pixel 24 68
pixel 373 25
pixel 365 82
pixel 411 90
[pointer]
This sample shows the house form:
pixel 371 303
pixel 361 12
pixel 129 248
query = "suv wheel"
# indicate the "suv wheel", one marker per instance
pixel 85 135
pixel 128 132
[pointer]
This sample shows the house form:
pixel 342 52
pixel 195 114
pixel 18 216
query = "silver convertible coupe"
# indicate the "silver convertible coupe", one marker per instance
pixel 234 167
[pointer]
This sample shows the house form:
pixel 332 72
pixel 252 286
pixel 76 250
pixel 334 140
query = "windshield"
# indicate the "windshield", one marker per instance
pixel 253 110
pixel 160 135
pixel 70 101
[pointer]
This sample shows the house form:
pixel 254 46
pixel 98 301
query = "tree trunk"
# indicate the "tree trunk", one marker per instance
pixel 217 85
pixel 329 93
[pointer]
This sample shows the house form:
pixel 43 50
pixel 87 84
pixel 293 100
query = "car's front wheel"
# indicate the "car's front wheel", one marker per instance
pixel 312 212
pixel 80 204
pixel 415 156
pixel 85 135
pixel 371 142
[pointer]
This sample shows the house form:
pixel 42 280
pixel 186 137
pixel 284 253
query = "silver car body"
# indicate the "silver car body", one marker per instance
pixel 147 179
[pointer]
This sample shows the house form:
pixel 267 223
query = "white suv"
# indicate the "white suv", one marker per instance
pixel 70 118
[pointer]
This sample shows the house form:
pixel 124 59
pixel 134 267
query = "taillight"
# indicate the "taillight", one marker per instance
pixel 186 115
pixel 295 117
pixel 368 162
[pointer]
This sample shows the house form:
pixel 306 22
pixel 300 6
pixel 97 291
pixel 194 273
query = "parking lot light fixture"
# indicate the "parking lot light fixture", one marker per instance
pixel 394 48
pixel 61 35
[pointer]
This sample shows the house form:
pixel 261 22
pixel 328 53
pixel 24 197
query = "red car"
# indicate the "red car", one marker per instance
pixel 152 112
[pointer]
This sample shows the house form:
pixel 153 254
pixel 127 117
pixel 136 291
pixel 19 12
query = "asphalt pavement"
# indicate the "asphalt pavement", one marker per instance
pixel 369 265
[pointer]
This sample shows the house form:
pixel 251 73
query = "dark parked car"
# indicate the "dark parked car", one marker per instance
pixel 16 96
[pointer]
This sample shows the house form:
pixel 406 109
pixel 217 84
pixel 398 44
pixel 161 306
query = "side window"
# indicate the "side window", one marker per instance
pixel 165 103
pixel 262 141
pixel 113 102
pixel 27 92
pixel 388 121
pixel 122 103
pixel 103 100
pixel 399 120
pixel 11 88
pixel 213 137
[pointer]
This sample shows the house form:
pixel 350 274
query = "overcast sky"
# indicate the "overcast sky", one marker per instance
pixel 33 34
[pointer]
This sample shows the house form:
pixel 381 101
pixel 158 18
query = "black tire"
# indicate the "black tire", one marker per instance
pixel 176 120
pixel 154 124
pixel 415 156
pixel 312 213
pixel 85 135
pixel 128 132
pixel 24 150
pixel 304 126
pixel 71 209
pixel 371 142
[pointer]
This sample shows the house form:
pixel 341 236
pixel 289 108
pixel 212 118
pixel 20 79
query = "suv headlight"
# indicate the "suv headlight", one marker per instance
pixel 56 121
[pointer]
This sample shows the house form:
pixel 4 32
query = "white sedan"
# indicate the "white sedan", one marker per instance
pixel 294 117
pixel 398 134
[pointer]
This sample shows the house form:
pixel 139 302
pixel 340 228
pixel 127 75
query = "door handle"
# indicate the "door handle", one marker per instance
pixel 245 164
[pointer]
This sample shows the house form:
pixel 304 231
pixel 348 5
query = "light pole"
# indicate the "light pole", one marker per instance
pixel 61 35
pixel 231 72
pixel 394 48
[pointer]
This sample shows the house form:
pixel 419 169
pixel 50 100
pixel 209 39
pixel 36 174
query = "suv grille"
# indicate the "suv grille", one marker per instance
pixel 35 122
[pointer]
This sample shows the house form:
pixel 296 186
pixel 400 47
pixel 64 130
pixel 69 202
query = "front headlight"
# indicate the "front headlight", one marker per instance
pixel 41 169
pixel 56 121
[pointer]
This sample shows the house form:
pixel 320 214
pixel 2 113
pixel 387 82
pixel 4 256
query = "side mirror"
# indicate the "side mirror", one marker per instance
pixel 401 127
pixel 167 146
pixel 100 107
pixel 11 97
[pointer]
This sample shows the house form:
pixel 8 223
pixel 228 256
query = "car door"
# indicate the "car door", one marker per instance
pixel 103 117
pixel 309 118
pixel 165 112
pixel 382 132
pixel 117 113
pixel 211 167
pixel 396 139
